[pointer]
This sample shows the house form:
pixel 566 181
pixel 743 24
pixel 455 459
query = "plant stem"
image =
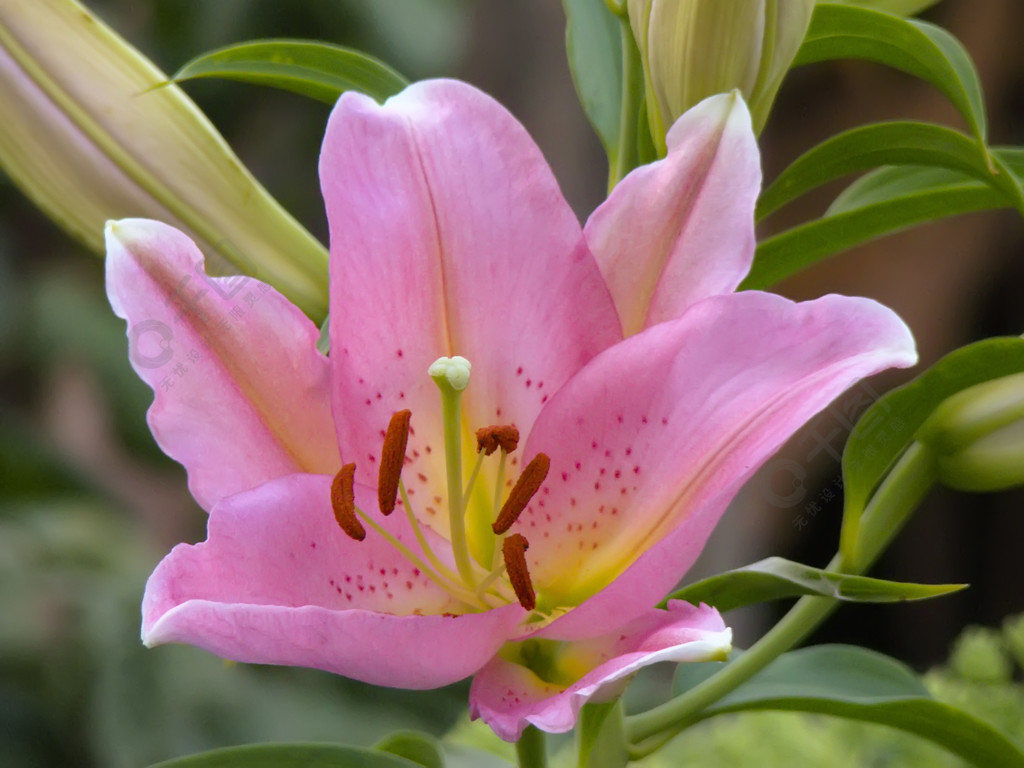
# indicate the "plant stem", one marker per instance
pixel 632 94
pixel 530 749
pixel 896 498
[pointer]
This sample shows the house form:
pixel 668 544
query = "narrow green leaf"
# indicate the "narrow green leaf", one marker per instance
pixel 899 7
pixel 290 756
pixel 776 578
pixel 895 143
pixel 915 47
pixel 420 748
pixel 858 684
pixel 319 70
pixel 600 740
pixel 789 252
pixel 881 203
pixel 889 426
pixel 593 43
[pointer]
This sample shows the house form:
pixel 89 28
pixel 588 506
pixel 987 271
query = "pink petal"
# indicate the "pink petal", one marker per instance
pixel 449 235
pixel 240 391
pixel 277 582
pixel 509 697
pixel 682 229
pixel 658 433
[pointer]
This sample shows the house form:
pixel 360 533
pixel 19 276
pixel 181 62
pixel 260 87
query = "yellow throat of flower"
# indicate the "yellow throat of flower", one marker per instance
pixel 485 575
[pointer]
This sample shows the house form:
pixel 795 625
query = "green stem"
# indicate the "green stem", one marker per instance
pixel 625 159
pixel 896 498
pixel 530 749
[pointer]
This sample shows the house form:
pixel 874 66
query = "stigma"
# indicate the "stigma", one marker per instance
pixel 489 576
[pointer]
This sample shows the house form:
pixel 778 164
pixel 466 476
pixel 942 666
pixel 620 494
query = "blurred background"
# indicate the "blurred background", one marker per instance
pixel 88 504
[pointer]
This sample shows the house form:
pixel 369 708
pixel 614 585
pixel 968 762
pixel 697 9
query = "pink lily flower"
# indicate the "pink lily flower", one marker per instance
pixel 645 390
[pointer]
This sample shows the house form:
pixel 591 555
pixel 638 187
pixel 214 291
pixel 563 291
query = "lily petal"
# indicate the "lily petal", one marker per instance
pixel 449 236
pixel 681 229
pixel 692 408
pixel 510 697
pixel 277 582
pixel 240 391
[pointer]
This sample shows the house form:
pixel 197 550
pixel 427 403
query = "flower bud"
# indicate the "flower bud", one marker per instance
pixel 692 49
pixel 977 436
pixel 89 136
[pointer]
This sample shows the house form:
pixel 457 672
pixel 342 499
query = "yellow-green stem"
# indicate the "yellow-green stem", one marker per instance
pixel 531 750
pixel 896 498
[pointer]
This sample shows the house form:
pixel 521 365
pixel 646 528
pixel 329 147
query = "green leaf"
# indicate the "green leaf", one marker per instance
pixel 881 203
pixel 319 70
pixel 290 756
pixel 600 740
pixel 890 425
pixel 776 578
pixel 858 684
pixel 594 45
pixel 895 143
pixel 915 47
pixel 420 748
pixel 899 7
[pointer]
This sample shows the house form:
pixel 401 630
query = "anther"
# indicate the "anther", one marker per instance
pixel 490 439
pixel 514 550
pixel 526 486
pixel 392 458
pixel 344 504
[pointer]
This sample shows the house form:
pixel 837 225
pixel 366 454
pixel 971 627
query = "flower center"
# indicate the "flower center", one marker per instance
pixel 471 581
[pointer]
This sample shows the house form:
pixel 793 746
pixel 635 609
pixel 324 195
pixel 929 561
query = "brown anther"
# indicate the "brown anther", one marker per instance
pixel 343 502
pixel 526 486
pixel 490 439
pixel 514 551
pixel 392 457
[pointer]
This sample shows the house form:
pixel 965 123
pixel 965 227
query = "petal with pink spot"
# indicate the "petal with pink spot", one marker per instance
pixel 509 697
pixel 449 236
pixel 689 409
pixel 277 582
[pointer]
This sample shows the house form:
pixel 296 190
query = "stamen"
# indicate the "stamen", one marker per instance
pixel 526 486
pixel 514 549
pixel 344 503
pixel 489 439
pixel 422 539
pixel 454 590
pixel 392 458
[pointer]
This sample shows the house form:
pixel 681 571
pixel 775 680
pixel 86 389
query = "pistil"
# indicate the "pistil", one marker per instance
pixel 451 374
pixel 479 588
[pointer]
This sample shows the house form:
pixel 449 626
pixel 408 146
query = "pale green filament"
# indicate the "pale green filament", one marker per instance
pixel 459 593
pixel 414 523
pixel 498 493
pixel 472 479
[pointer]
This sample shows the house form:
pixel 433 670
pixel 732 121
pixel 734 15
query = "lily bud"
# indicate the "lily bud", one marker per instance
pixel 692 49
pixel 89 136
pixel 977 436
